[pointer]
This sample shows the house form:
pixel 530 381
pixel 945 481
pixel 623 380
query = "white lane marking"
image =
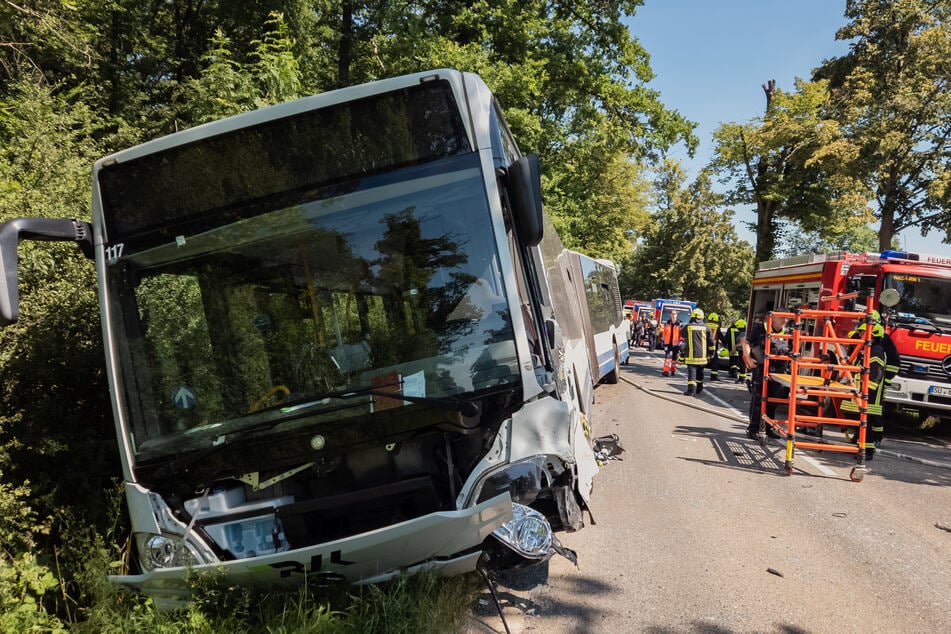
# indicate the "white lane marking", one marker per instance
pixel 714 396
pixel 706 390
pixel 821 467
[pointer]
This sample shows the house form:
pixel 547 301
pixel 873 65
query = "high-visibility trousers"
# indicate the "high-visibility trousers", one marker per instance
pixel 670 359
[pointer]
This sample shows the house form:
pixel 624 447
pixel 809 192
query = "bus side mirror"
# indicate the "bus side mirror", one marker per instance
pixel 525 194
pixel 11 232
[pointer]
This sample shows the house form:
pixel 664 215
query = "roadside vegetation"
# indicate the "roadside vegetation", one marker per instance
pixel 865 141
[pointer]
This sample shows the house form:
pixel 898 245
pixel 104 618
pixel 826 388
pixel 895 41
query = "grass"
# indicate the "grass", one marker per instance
pixel 422 604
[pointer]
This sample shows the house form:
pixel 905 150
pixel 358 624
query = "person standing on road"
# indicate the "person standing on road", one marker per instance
pixel 670 333
pixel 876 390
pixel 713 323
pixel 892 358
pixel 697 342
pixel 753 356
pixel 734 336
pixel 639 332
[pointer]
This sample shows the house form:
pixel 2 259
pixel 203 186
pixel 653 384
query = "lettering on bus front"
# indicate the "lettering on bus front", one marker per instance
pixel 287 568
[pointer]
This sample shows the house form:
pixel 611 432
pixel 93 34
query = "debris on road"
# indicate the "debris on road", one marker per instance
pixel 607 448
pixel 773 571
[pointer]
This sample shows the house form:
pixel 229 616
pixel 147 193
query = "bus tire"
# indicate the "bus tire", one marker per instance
pixel 612 377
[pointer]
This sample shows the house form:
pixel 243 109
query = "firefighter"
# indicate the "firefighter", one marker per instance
pixel 697 343
pixel 713 323
pixel 670 337
pixel 734 335
pixel 876 423
pixel 753 356
pixel 876 390
pixel 892 358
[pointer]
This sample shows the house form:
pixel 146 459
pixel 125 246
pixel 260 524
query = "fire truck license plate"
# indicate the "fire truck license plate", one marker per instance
pixel 939 391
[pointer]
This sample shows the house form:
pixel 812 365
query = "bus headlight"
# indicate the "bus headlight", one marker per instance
pixel 528 533
pixel 164 551
pixel 523 480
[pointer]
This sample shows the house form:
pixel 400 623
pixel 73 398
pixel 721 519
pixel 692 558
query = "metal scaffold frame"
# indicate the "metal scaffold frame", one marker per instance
pixel 825 369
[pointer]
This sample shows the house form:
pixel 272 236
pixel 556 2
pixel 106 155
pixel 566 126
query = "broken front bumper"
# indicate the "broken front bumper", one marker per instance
pixel 449 542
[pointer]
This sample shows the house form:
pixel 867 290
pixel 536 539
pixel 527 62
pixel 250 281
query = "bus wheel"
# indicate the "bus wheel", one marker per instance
pixel 615 374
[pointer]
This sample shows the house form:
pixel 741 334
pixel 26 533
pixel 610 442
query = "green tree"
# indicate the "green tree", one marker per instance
pixel 691 249
pixel 598 201
pixel 572 80
pixel 53 408
pixel 788 163
pixel 857 238
pixel 892 96
pixel 226 86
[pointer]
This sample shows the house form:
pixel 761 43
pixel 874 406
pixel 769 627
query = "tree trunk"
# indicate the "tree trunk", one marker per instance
pixel 345 47
pixel 765 209
pixel 887 208
pixel 765 229
pixel 886 232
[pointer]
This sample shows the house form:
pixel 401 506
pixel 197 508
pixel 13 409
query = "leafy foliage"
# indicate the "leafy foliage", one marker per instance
pixel 54 414
pixel 788 164
pixel 892 98
pixel 23 580
pixel 690 249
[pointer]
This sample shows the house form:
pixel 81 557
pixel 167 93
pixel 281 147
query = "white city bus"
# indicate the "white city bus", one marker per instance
pixel 606 330
pixel 340 340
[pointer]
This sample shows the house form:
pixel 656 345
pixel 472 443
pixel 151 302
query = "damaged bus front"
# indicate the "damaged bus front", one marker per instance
pixel 334 340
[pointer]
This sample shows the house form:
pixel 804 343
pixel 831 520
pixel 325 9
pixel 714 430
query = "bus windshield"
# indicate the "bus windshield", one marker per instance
pixel 395 285
pixel 921 297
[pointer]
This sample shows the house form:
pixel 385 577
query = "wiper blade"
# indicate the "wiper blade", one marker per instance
pixel 914 322
pixel 303 407
pixel 182 463
pixel 465 407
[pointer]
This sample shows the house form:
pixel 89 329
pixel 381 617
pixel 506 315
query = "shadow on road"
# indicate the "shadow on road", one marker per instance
pixel 710 628
pixel 514 607
pixel 735 451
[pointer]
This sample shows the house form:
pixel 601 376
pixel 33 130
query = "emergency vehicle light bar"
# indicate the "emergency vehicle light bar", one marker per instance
pixel 899 255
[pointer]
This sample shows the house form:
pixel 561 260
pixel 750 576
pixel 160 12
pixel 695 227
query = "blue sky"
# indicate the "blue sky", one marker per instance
pixel 710 58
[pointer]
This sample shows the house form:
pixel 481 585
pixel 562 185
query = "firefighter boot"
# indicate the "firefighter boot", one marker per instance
pixel 691 391
pixel 699 387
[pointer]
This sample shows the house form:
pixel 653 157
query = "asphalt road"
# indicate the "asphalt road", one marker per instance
pixel 698 529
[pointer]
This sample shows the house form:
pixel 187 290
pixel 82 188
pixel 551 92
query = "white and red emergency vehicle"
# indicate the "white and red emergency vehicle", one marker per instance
pixel 919 324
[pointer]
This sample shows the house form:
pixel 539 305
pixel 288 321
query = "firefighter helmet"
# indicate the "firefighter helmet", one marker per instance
pixel 878 330
pixel 713 317
pixel 741 323
pixel 697 313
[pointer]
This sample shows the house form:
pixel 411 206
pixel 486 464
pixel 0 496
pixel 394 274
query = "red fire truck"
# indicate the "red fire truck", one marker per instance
pixel 919 321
